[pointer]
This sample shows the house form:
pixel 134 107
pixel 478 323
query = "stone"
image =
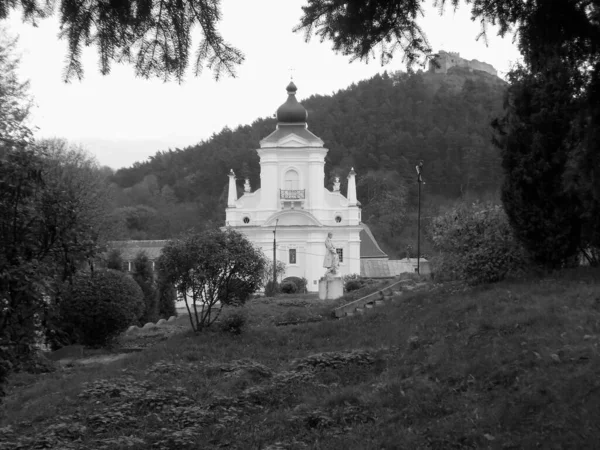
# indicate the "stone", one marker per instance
pixel 149 325
pixel 132 329
pixel 331 289
pixel 172 319
pixel 161 321
pixel 360 310
pixel 369 305
pixel 379 303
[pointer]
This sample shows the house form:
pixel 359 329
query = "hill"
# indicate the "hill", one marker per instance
pixel 381 127
pixel 512 365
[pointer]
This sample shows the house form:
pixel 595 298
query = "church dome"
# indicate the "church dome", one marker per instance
pixel 291 111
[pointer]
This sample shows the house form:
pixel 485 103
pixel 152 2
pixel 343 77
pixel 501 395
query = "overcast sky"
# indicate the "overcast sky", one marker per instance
pixel 122 119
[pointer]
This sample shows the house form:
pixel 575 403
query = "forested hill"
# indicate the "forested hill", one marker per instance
pixel 381 127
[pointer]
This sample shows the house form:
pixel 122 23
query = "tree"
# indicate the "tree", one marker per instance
pixel 155 37
pixel 535 152
pixel 210 267
pixel 144 277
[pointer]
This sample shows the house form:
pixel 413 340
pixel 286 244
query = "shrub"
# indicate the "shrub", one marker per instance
pixel 271 289
pixel 233 320
pixel 167 297
pixel 99 305
pixel 144 277
pixel 114 260
pixel 476 244
pixel 300 283
pixel 352 285
pixel 289 287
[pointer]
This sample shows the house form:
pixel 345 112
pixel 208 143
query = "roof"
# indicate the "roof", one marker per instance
pixel 291 111
pixel 369 248
pixel 284 130
pixel 129 249
pixel 388 268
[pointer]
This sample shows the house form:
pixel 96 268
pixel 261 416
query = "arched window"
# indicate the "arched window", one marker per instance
pixel 292 181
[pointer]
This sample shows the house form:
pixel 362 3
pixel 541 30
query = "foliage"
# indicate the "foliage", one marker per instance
pixel 154 38
pixel 167 297
pixel 233 320
pixel 544 216
pixel 476 244
pixel 114 260
pixel 357 27
pixel 272 289
pixel 548 134
pixel 352 285
pixel 52 204
pixel 210 267
pixel 99 305
pixel 268 272
pixel 288 287
pixel 301 284
pixel 144 277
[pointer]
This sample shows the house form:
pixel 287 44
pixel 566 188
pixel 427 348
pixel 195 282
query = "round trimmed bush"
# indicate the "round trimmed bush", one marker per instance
pixel 299 282
pixel 100 305
pixel 288 287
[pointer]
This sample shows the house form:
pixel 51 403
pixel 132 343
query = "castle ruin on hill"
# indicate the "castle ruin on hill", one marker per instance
pixel 446 60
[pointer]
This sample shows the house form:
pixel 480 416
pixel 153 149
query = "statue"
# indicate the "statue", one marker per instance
pixel 336 184
pixel 247 187
pixel 331 261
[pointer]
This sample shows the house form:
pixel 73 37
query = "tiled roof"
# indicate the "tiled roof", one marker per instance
pixel 368 245
pixel 129 249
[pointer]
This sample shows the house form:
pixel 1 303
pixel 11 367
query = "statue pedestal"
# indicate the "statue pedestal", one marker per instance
pixel 331 289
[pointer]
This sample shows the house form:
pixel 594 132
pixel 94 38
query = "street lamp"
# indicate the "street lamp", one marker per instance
pixel 420 181
pixel 275 254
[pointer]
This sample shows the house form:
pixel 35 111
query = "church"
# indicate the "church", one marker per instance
pixel 293 206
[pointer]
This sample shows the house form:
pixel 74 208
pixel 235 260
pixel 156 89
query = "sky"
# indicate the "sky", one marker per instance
pixel 121 119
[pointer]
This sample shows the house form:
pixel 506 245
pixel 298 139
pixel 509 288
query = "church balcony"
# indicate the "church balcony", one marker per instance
pixel 293 194
pixel 292 198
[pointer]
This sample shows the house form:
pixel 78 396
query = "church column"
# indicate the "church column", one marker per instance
pixel 232 197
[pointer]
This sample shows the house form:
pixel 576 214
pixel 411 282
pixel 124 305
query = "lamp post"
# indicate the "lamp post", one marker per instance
pixel 420 181
pixel 275 254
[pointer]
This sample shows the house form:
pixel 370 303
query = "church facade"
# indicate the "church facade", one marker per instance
pixel 293 206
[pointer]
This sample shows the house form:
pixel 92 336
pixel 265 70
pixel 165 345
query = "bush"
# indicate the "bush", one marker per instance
pixel 167 297
pixel 289 287
pixel 233 320
pixel 476 244
pixel 271 289
pixel 100 305
pixel 353 285
pixel 300 283
pixel 144 277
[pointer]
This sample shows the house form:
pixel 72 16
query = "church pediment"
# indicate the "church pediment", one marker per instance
pixel 293 136
pixel 293 217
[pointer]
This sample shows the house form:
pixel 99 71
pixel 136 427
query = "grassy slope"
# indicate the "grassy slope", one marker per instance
pixel 513 365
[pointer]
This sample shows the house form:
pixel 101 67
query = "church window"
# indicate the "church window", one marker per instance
pixel 246 219
pixel 292 256
pixel 338 219
pixel 340 252
pixel 292 181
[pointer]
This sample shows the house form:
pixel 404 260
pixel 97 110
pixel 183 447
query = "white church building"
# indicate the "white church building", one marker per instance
pixel 293 204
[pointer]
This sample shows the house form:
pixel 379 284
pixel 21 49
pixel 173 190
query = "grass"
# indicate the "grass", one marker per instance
pixel 511 365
